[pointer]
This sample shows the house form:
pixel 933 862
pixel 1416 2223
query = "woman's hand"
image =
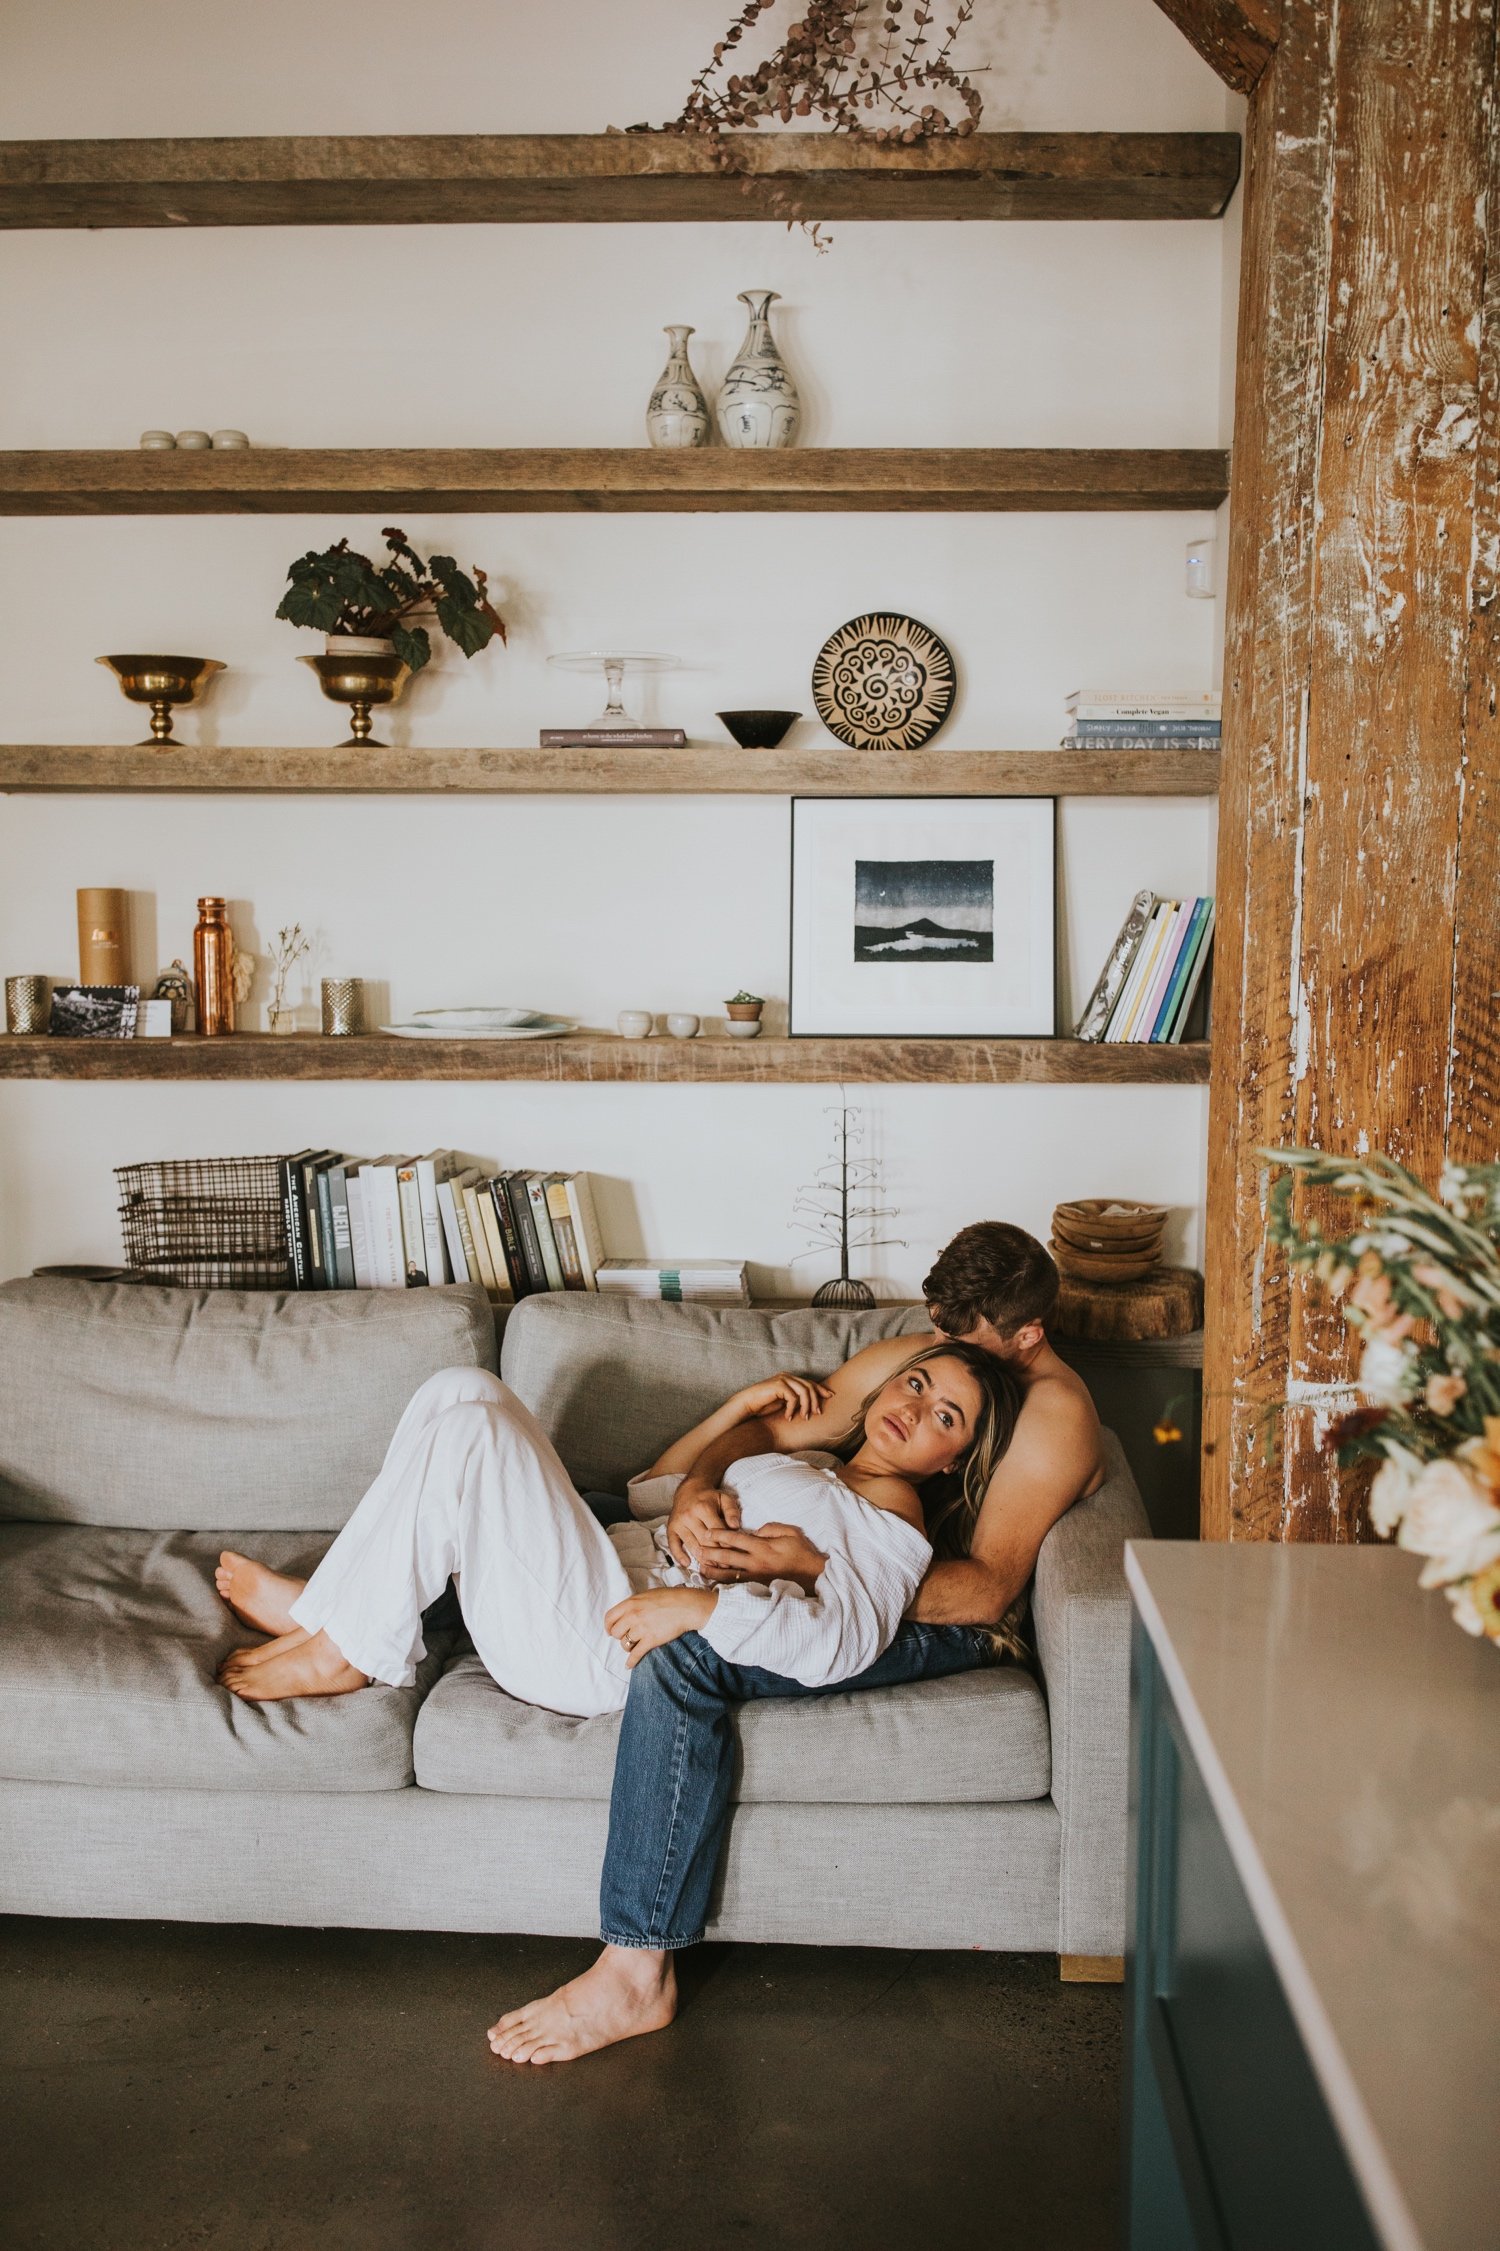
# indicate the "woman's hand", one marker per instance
pixel 776 1551
pixel 788 1398
pixel 645 1621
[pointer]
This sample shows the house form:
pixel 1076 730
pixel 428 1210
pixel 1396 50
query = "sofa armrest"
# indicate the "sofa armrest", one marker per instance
pixel 1081 1616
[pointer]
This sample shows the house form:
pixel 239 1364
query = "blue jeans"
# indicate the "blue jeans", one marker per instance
pixel 674 1770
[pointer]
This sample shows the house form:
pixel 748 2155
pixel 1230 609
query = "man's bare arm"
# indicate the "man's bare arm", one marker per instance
pixel 702 1506
pixel 1052 1458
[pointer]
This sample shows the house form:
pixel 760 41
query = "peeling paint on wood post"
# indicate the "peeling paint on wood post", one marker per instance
pixel 1357 966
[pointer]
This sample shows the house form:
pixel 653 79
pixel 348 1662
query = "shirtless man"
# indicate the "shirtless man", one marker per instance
pixel 994 1286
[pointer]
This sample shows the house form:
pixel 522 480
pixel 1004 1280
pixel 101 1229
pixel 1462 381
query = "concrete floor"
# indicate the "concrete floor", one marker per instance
pixel 167 2087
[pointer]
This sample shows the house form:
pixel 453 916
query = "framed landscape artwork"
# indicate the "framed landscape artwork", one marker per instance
pixel 923 917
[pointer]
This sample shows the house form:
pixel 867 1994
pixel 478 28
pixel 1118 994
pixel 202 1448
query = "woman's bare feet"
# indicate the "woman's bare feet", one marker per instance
pixel 628 1991
pixel 260 1596
pixel 296 1664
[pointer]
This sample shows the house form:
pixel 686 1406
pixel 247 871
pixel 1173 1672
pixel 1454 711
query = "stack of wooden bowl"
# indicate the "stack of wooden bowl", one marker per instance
pixel 1114 1285
pixel 1104 1239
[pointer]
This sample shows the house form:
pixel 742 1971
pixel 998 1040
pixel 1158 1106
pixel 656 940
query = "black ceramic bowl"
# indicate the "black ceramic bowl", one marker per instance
pixel 758 730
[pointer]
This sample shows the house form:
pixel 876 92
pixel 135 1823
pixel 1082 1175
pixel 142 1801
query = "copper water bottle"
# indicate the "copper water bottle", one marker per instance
pixel 213 967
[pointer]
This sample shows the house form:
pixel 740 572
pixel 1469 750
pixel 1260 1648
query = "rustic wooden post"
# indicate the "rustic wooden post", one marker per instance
pixel 1358 895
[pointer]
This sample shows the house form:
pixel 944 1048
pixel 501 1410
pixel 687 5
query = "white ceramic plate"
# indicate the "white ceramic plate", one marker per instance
pixel 479 1019
pixel 553 1027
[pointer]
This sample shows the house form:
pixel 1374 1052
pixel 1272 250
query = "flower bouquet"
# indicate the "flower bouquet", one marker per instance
pixel 1419 1279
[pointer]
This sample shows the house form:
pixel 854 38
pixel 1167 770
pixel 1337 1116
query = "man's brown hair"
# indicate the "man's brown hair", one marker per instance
pixel 991 1272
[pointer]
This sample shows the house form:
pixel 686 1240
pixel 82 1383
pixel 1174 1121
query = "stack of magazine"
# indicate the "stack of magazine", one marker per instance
pixel 391 1223
pixel 687 1281
pixel 1154 974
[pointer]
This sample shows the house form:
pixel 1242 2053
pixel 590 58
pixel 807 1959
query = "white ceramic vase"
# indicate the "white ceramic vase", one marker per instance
pixel 758 405
pixel 678 413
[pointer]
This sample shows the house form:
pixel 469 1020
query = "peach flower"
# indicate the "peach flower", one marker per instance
pixel 1443 1393
pixel 1442 1285
pixel 1373 1296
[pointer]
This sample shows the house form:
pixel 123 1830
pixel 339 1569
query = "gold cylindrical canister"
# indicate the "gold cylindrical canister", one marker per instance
pixel 213 967
pixel 26 1004
pixel 103 936
pixel 343 1006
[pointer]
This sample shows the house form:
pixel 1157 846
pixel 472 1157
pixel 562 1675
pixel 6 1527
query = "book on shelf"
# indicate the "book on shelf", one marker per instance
pixel 684 1281
pixel 1142 703
pixel 1118 739
pixel 1142 730
pixel 1153 973
pixel 613 738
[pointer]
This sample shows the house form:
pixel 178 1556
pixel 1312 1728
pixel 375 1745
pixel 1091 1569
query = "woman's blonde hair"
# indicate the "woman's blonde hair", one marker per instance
pixel 953 1498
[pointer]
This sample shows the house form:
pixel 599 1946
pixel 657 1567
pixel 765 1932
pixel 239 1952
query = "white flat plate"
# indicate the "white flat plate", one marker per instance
pixel 479 1019
pixel 552 1029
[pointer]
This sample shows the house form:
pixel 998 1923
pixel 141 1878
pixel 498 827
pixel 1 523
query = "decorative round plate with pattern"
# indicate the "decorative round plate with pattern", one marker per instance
pixel 883 682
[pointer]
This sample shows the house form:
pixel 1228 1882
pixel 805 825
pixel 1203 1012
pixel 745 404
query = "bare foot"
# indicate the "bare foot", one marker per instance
pixel 298 1664
pixel 259 1652
pixel 628 1991
pixel 260 1596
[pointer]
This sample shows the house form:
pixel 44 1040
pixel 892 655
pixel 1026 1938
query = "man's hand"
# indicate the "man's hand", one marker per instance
pixel 645 1621
pixel 776 1551
pixel 698 1511
pixel 787 1398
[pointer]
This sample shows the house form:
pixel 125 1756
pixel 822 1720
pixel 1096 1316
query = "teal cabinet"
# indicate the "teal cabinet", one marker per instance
pixel 1229 2144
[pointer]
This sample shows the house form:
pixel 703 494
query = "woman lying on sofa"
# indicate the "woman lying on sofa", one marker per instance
pixel 561 1610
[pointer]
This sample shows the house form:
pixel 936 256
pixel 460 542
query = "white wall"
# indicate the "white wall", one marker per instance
pixel 1000 335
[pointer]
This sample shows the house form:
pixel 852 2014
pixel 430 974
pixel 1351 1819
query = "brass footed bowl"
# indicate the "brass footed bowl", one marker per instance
pixel 361 682
pixel 161 682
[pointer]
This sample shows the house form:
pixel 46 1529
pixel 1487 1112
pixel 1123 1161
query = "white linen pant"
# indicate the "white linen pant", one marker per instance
pixel 472 1488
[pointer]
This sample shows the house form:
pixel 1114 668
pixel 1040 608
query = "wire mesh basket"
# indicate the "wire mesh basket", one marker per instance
pixel 208 1222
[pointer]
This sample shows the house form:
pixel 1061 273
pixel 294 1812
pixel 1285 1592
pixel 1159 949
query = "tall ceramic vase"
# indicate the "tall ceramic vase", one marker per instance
pixel 758 405
pixel 678 413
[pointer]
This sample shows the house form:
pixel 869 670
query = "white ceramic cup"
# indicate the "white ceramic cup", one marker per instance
pixel 193 441
pixel 158 441
pixel 682 1026
pixel 634 1023
pixel 738 1029
pixel 230 441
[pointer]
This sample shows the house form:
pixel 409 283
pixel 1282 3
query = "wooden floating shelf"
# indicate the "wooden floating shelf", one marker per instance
pixel 383 770
pixel 273 481
pixel 426 179
pixel 601 1059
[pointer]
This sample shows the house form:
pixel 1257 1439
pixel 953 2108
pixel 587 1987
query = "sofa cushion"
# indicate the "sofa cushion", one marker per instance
pixel 170 1409
pixel 615 1381
pixel 977 1738
pixel 109 1641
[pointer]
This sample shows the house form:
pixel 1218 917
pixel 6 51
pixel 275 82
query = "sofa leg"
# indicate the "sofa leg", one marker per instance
pixel 1091 1969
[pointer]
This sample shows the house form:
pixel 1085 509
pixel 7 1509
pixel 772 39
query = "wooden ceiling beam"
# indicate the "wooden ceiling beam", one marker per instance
pixel 1236 38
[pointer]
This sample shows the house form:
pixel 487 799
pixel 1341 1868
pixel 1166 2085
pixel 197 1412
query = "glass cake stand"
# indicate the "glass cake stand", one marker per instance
pixel 614 664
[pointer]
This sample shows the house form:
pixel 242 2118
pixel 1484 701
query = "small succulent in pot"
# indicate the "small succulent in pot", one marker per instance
pixel 338 592
pixel 744 1014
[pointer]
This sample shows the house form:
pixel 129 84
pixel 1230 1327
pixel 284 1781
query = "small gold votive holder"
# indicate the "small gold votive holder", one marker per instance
pixel 343 1007
pixel 26 1006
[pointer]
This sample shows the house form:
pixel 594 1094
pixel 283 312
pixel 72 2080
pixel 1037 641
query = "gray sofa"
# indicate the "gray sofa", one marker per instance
pixel 141 1429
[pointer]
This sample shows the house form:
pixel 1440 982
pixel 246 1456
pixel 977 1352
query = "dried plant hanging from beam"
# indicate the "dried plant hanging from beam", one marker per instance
pixel 863 66
pixel 881 70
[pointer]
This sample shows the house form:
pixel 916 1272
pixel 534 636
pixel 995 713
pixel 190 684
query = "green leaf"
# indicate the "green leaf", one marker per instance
pixel 464 626
pixel 411 645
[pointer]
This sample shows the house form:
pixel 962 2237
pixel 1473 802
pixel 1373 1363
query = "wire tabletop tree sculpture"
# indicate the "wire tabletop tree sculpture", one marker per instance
pixel 837 1208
